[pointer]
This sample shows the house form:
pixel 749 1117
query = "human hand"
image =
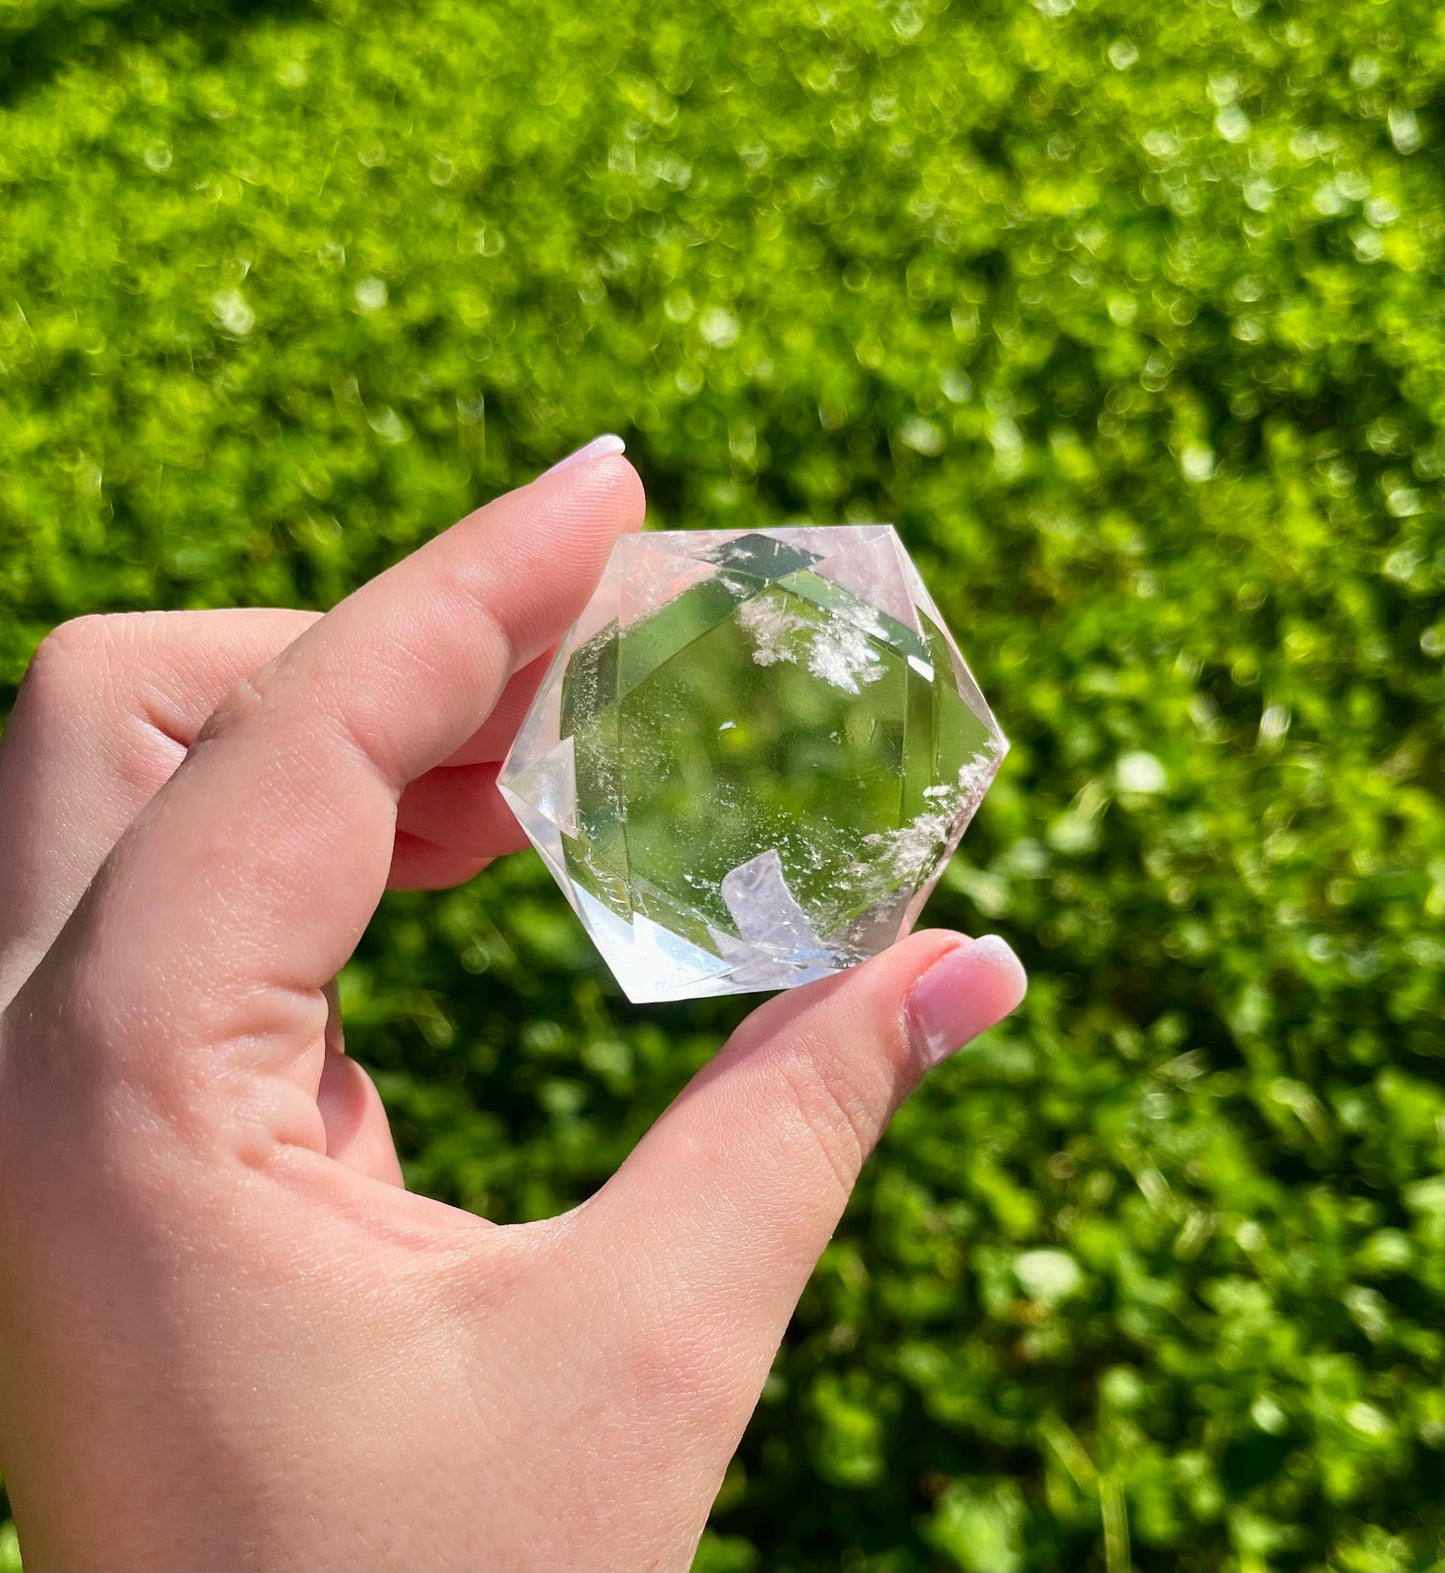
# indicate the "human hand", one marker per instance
pixel 231 1339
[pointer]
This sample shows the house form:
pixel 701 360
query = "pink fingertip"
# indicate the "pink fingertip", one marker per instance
pixel 967 990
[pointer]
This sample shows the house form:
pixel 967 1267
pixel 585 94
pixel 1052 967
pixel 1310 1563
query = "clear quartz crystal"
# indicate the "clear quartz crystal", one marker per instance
pixel 752 756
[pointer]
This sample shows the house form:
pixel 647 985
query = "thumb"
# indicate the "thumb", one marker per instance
pixel 727 1203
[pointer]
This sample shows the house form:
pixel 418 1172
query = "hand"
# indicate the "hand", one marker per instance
pixel 231 1339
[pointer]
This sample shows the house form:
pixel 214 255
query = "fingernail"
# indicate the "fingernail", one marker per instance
pixel 966 990
pixel 603 447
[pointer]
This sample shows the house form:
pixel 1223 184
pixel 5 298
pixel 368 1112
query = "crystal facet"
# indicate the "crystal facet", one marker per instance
pixel 752 756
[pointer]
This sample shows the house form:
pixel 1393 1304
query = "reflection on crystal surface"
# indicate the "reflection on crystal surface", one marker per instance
pixel 752 757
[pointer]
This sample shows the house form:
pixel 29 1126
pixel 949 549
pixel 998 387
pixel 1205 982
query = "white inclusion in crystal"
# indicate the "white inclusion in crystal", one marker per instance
pixel 974 777
pixel 843 657
pixel 913 844
pixel 764 909
pixel 908 848
pixel 770 624
pixel 840 654
pixel 752 970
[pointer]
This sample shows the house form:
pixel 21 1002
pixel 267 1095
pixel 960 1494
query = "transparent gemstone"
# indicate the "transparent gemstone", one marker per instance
pixel 752 756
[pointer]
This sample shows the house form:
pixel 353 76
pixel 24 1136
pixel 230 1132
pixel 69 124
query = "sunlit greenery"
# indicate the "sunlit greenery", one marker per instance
pixel 1128 316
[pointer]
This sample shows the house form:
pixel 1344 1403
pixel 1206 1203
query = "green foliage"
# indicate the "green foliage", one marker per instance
pixel 1127 315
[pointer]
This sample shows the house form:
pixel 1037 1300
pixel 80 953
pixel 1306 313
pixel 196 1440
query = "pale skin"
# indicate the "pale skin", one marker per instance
pixel 230 1337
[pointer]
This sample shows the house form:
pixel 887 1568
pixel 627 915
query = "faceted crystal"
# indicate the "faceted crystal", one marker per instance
pixel 752 756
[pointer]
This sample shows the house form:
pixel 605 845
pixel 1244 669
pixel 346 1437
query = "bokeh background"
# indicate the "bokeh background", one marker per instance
pixel 1128 316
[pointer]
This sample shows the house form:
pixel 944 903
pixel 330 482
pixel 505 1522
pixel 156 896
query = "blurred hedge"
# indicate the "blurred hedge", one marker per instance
pixel 1128 315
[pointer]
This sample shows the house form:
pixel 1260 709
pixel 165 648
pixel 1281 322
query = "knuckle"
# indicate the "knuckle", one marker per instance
pixel 86 662
pixel 469 593
pixel 470 586
pixel 70 659
pixel 673 1356
pixel 685 1371
pixel 831 1107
